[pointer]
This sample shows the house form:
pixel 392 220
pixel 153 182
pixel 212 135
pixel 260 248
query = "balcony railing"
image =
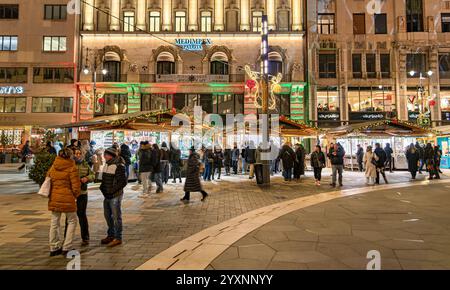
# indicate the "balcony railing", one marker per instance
pixel 111 78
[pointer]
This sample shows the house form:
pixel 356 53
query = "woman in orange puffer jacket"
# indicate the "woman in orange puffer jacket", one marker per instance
pixel 62 200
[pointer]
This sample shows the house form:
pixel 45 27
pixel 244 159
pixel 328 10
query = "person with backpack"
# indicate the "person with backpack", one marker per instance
pixel 299 164
pixel 218 161
pixel 235 158
pixel 175 163
pixel 145 168
pixel 389 159
pixel 380 163
pixel 250 158
pixel 125 153
pixel 227 161
pixel 156 165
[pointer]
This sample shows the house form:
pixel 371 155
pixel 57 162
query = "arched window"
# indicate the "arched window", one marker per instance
pixel 219 64
pixel 165 64
pixel 275 63
pixel 111 62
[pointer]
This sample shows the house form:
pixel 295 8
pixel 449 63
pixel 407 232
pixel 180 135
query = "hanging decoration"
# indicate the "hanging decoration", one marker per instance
pixel 86 99
pixel 411 99
pixel 254 87
pixel 99 102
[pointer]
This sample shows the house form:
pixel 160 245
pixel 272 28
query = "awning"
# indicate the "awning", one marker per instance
pixel 385 128
pixel 290 128
pixel 444 130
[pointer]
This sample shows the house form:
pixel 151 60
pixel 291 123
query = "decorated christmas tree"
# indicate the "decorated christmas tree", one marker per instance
pixel 42 163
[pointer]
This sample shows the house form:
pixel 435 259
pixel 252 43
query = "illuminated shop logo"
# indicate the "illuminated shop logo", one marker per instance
pixel 192 44
pixel 11 90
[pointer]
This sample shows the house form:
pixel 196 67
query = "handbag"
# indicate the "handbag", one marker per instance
pixel 46 187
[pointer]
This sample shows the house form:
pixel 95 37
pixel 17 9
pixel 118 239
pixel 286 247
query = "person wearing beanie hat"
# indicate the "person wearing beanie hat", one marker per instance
pixel 114 181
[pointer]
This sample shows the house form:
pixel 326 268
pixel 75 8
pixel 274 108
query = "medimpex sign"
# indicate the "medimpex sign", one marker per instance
pixel 192 44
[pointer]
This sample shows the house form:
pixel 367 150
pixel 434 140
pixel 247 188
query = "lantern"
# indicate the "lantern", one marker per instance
pixel 250 84
pixel 276 89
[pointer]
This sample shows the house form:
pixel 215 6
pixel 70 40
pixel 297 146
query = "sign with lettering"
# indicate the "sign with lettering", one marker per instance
pixel 192 44
pixel 10 90
pixel 413 116
pixel 328 116
pixel 367 116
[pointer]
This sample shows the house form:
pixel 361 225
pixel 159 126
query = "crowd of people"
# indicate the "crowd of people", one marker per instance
pixel 79 164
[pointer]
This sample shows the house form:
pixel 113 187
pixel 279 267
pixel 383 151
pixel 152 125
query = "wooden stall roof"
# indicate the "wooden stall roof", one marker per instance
pixel 385 128
pixel 145 120
pixel 291 128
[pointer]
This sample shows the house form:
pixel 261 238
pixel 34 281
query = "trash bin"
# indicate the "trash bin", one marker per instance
pixel 259 173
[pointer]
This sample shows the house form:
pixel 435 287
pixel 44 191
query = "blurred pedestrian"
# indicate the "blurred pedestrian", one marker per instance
pixel 165 156
pixel 370 161
pixel 299 161
pixel 380 163
pixel 287 156
pixel 412 155
pixel 145 168
pixel 175 163
pixel 125 153
pixel 318 162
pixel 156 159
pixel 218 161
pixel 360 157
pixel 336 156
pixel 193 183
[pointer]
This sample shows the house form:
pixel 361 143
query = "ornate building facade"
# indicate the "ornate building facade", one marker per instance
pixel 155 55
pixel 375 59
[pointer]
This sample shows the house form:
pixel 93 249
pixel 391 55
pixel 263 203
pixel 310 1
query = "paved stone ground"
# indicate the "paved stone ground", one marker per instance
pixel 150 225
pixel 410 227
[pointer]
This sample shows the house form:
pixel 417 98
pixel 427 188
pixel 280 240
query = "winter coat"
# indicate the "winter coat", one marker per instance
pixel 250 155
pixel 337 159
pixel 156 161
pixel 371 169
pixel 175 157
pixel 193 183
pixel 235 154
pixel 388 150
pixel 97 161
pixel 114 178
pixel 287 155
pixel 208 156
pixel 125 153
pixel 145 158
pixel 360 155
pixel 165 153
pixel 299 166
pixel 227 157
pixel 429 156
pixel 84 170
pixel 65 187
pixel 420 150
pixel 218 158
pixel 412 155
pixel 318 159
pixel 381 157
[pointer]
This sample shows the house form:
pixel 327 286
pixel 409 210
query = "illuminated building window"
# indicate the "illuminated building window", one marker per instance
pixel 154 21
pixel 206 21
pixel 165 64
pixel 180 21
pixel 128 21
pixel 55 43
pixel 52 105
pixel 257 21
pixel 13 104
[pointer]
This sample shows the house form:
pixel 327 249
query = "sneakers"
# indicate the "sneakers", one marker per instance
pixel 107 240
pixel 114 243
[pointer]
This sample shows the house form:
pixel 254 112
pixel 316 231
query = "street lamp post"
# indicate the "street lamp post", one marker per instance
pixel 86 71
pixel 265 94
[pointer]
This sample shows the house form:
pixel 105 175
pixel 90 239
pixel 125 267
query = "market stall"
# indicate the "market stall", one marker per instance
pixel 399 134
pixel 443 140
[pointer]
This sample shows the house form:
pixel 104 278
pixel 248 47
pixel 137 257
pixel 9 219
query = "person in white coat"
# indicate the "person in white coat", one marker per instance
pixel 371 169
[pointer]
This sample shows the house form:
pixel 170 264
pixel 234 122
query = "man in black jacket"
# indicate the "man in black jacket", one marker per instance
pixel 360 157
pixel 336 155
pixel 382 157
pixel 145 168
pixel 113 182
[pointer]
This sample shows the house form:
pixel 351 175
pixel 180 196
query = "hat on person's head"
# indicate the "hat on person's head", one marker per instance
pixel 111 151
pixel 93 143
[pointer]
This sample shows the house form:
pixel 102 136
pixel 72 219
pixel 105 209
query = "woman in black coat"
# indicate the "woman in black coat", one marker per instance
pixel 193 176
pixel 287 156
pixel 299 164
pixel 413 157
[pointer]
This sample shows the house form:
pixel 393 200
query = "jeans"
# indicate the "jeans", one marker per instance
pixel 389 163
pixel 208 171
pixel 244 166
pixel 127 170
pixel 176 172
pixel 360 166
pixel 422 163
pixel 158 181
pixel 55 239
pixel 381 171
pixel 287 174
pixel 318 173
pixel 252 170
pixel 146 182
pixel 272 166
pixel 82 201
pixel 337 169
pixel 219 171
pixel 164 171
pixel 234 164
pixel 113 216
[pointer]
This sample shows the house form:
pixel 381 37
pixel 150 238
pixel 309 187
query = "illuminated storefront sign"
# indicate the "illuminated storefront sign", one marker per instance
pixel 328 116
pixel 192 44
pixel 369 116
pixel 11 90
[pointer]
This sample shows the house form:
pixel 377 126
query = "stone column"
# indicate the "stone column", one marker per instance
pixel 271 14
pixel 88 21
pixel 193 15
pixel 167 15
pixel 245 15
pixel 218 15
pixel 297 15
pixel 115 15
pixel 141 12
